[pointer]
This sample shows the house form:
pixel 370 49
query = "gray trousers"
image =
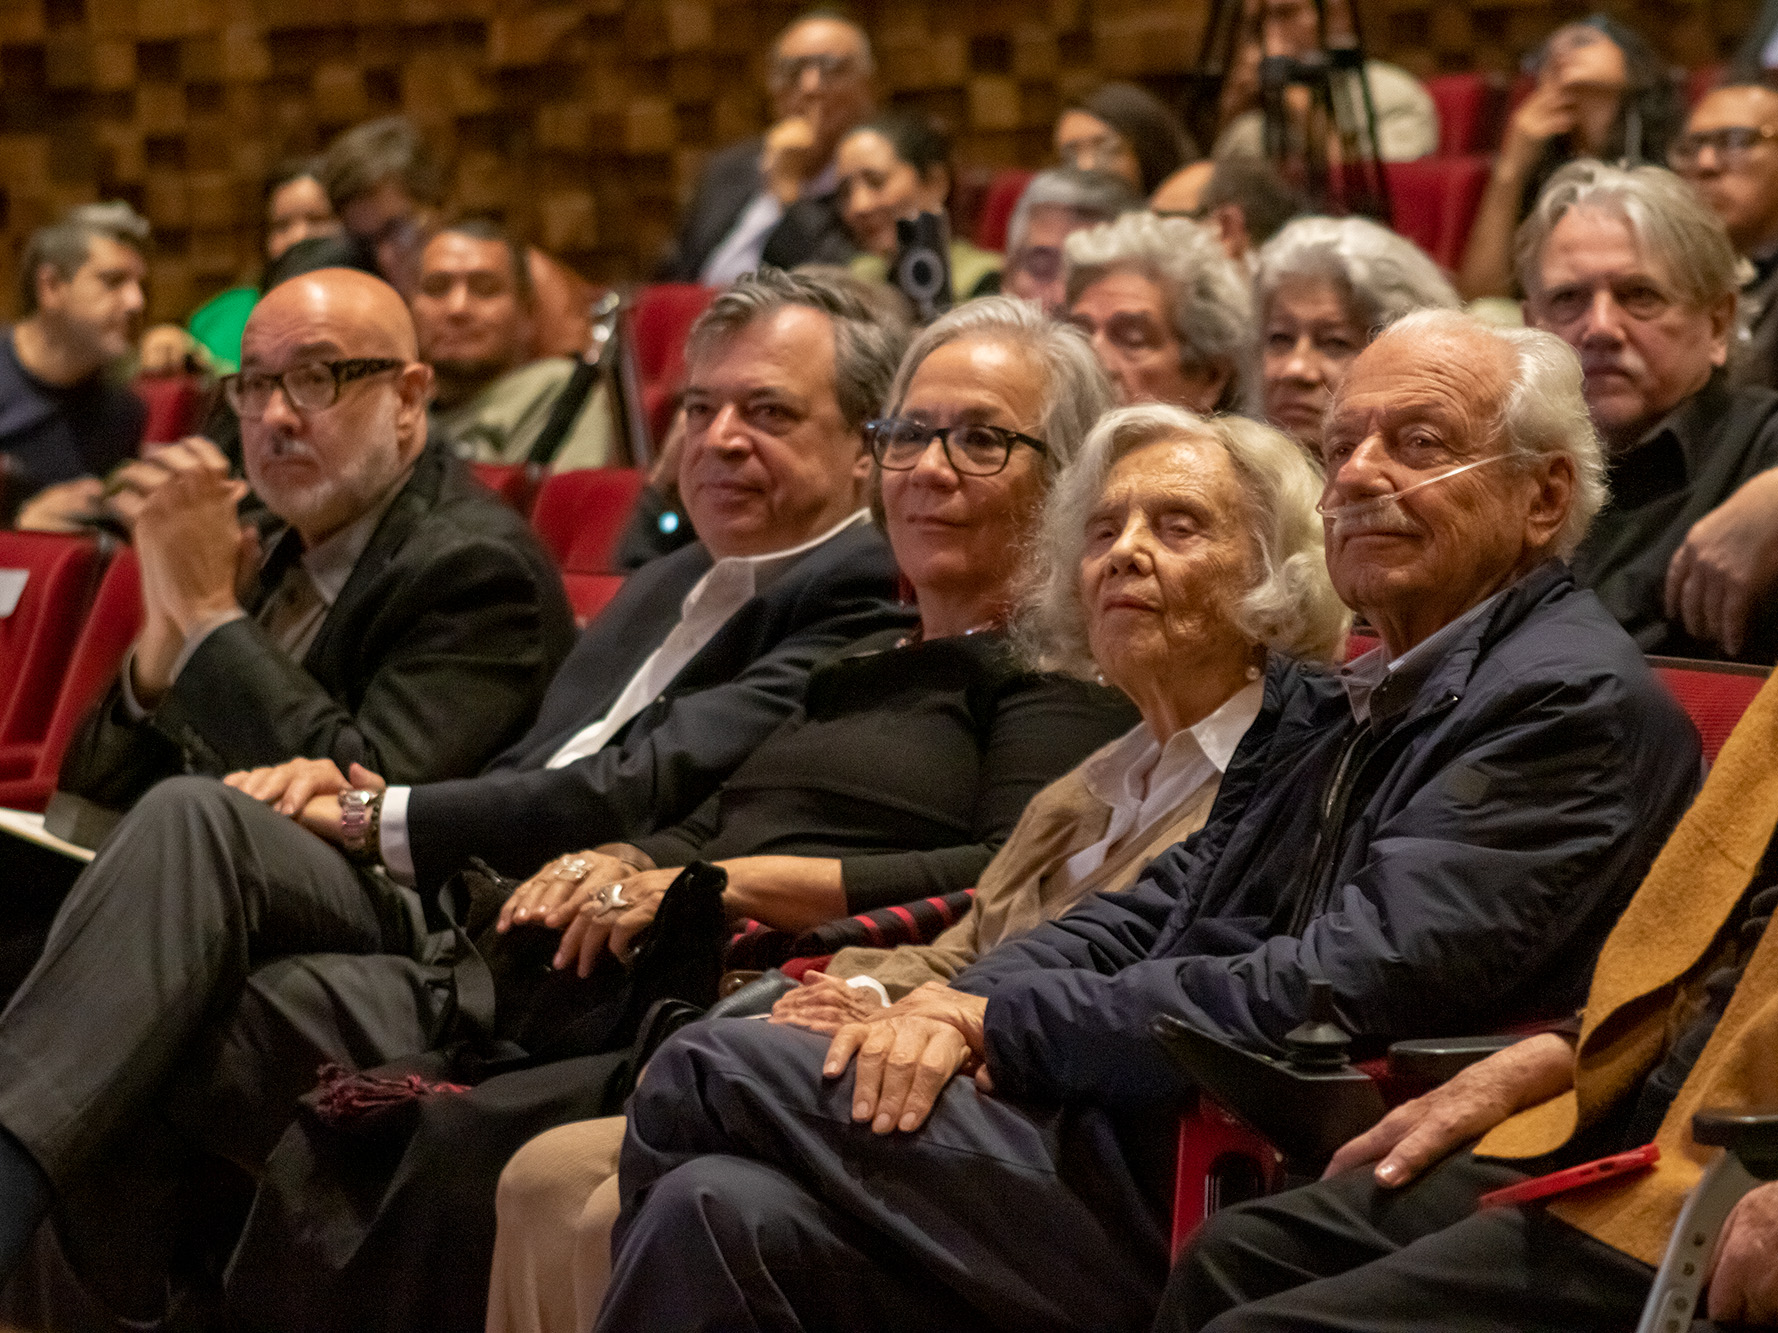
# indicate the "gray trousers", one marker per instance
pixel 207 961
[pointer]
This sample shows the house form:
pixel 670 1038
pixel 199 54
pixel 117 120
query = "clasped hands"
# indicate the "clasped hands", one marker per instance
pixel 306 790
pixel 904 1054
pixel 600 900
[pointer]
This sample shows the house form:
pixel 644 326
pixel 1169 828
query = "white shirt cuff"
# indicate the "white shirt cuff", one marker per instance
pixel 398 857
pixel 870 984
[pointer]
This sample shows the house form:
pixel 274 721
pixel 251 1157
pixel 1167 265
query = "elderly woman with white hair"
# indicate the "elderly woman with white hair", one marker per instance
pixel 1326 287
pixel 1176 554
pixel 1170 315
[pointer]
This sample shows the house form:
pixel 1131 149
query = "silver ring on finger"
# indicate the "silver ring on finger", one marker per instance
pixel 576 869
pixel 611 899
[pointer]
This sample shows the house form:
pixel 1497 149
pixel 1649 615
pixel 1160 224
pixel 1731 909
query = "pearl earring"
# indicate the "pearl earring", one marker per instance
pixel 1252 673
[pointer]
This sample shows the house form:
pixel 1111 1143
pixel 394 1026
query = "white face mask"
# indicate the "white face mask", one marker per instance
pixel 1385 513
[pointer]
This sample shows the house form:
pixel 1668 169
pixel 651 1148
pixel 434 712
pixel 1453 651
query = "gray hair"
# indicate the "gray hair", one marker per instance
pixel 65 244
pixel 867 65
pixel 865 350
pixel 389 148
pixel 1291 608
pixel 1380 276
pixel 1544 412
pixel 1076 392
pixel 1092 196
pixel 1210 300
pixel 1665 217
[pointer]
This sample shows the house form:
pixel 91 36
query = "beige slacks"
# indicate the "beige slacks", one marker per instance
pixel 556 1206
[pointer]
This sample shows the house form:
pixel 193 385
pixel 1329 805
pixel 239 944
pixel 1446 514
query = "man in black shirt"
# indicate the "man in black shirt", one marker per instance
pixel 63 423
pixel 1635 273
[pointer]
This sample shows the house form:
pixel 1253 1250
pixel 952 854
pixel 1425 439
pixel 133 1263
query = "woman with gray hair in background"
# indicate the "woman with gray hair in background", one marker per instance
pixel 1170 315
pixel 1176 554
pixel 1326 287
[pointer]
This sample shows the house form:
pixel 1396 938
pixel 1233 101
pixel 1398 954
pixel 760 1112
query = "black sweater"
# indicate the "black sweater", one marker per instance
pixel 911 765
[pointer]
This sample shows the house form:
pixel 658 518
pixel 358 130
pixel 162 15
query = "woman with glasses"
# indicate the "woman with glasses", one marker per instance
pixel 1175 555
pixel 1602 92
pixel 894 167
pixel 911 762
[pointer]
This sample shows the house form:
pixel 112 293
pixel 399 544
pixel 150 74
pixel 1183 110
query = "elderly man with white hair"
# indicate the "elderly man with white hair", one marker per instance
pixel 1169 313
pixel 1444 831
pixel 1325 288
pixel 1637 274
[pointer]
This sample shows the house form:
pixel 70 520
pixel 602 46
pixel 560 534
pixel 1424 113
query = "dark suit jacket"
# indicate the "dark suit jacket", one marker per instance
pixel 50 434
pixel 677 751
pixel 810 232
pixel 436 654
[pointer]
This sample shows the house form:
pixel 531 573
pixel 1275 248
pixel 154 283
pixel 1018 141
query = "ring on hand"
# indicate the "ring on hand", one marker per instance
pixel 576 868
pixel 611 899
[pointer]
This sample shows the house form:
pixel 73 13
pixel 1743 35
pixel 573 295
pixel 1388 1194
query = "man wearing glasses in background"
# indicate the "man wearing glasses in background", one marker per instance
pixel 385 611
pixel 1632 271
pixel 774 200
pixel 1057 203
pixel 1729 155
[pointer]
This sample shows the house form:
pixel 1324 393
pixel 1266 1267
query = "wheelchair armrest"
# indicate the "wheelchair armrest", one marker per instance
pixel 1750 1136
pixel 1435 1060
pixel 755 998
pixel 1306 1113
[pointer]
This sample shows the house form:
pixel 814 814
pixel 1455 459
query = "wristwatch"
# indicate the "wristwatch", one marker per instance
pixel 360 814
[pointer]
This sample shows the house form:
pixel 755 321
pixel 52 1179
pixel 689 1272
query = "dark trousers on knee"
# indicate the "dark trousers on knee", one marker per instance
pixel 1346 1254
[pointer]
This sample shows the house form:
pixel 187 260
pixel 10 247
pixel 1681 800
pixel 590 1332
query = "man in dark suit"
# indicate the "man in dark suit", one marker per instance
pixel 193 954
pixel 401 617
pixel 774 199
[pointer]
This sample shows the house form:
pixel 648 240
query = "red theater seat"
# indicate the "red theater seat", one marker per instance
pixel 581 515
pixel 38 635
pixel 512 482
pixel 28 773
pixel 661 317
pixel 1002 198
pixel 1435 201
pixel 1713 694
pixel 1463 102
pixel 588 593
pixel 175 406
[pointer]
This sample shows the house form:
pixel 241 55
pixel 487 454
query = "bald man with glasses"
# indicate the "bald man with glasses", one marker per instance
pixel 375 606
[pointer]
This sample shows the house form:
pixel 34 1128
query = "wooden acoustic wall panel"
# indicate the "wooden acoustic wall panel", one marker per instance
pixel 584 124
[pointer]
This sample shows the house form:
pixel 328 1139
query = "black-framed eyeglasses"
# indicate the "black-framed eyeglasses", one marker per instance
pixel 312 386
pixel 1042 263
pixel 972 449
pixel 1731 143
pixel 787 71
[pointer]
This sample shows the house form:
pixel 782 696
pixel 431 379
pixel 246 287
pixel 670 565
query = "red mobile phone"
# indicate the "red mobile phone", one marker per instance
pixel 1560 1182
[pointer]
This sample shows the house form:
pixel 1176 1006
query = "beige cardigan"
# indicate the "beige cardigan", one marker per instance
pixel 1664 940
pixel 1021 888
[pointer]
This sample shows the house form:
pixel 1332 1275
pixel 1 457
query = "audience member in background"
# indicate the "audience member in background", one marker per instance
pixel 775 200
pixel 1325 287
pixel 1729 155
pixel 296 209
pixel 1247 201
pixel 387 612
pixel 1639 277
pixel 895 166
pixel 1407 120
pixel 1056 203
pixel 64 422
pixel 388 186
pixel 909 765
pixel 1602 92
pixel 1175 616
pixel 179 955
pixel 1507 765
pixel 1682 1017
pixel 1170 316
pixel 1126 131
pixel 473 306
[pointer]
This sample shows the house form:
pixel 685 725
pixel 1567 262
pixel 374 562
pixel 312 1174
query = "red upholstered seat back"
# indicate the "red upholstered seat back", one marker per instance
pixel 110 627
pixel 1463 122
pixel 38 636
pixel 581 515
pixel 510 481
pixel 175 406
pixel 1713 694
pixel 1002 198
pixel 659 321
pixel 1435 201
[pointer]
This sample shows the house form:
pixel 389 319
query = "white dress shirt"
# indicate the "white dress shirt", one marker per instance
pixel 1141 780
pixel 726 587
pixel 741 250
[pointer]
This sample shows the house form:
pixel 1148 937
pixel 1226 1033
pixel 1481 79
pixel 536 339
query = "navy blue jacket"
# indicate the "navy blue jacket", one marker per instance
pixel 1515 802
pixel 51 434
